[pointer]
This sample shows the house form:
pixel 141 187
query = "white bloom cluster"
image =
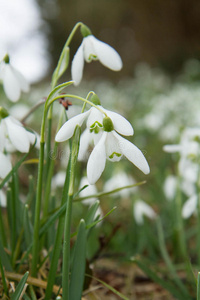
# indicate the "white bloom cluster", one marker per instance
pixel 141 209
pixel 188 166
pixel 13 136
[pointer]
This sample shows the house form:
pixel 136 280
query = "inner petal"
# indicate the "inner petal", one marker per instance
pixel 113 152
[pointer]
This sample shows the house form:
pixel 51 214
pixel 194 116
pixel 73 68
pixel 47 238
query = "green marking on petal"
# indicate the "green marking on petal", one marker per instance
pixel 92 57
pixel 114 154
pixel 95 127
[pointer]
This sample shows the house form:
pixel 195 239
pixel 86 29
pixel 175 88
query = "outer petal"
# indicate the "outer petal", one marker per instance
pixel 17 135
pixel 24 85
pixel 97 160
pixel 77 65
pixel 84 144
pixel 11 84
pixel 107 55
pixel 5 165
pixel 133 154
pixel 121 125
pixel 172 148
pixel 67 130
pixel 189 207
pixel 142 209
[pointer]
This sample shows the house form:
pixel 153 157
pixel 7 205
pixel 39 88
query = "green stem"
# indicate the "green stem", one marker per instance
pixel 67 226
pixel 58 239
pixel 79 98
pixel 35 249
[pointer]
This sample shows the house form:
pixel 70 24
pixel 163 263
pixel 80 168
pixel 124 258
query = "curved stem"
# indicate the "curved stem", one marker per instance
pixel 79 98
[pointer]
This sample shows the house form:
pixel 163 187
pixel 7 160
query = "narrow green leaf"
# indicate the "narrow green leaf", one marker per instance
pixel 61 66
pixel 198 286
pixel 28 228
pixel 110 192
pixel 20 287
pixel 78 264
pixel 109 287
pixel 5 288
pixel 163 282
pixel 4 258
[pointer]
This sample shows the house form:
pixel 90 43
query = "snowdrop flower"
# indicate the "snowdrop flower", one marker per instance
pixel 189 207
pixel 109 143
pixel 142 209
pixel 13 81
pixel 88 191
pixel 93 49
pixel 119 180
pixel 12 131
pixel 5 165
pixel 170 187
pixel 3 201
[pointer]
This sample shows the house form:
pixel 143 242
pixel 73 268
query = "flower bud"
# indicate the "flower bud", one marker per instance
pixel 95 99
pixel 108 124
pixel 3 113
pixel 85 31
pixel 6 59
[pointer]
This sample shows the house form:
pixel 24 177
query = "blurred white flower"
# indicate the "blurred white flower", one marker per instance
pixel 3 201
pixel 5 165
pixel 58 180
pixel 142 209
pixel 93 49
pixel 190 207
pixel 170 187
pixel 119 180
pixel 12 131
pixel 13 81
pixel 88 191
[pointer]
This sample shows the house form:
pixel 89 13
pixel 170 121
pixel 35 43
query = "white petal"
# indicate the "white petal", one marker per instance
pixel 77 65
pixel 2 135
pixel 97 161
pixel 11 84
pixel 89 50
pixel 5 165
pixel 17 135
pixel 132 153
pixel 3 201
pixel 24 85
pixel 107 55
pixel 142 209
pixel 121 125
pixel 95 116
pixel 189 207
pixel 84 144
pixel 113 151
pixel 172 148
pixel 67 130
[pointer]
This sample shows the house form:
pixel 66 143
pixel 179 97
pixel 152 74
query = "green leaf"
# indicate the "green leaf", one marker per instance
pixel 4 258
pixel 198 286
pixel 163 282
pixel 109 287
pixel 78 264
pixel 20 287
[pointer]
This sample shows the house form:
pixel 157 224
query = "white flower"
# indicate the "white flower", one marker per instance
pixel 13 81
pixel 112 146
pixel 189 207
pixel 5 165
pixel 88 191
pixel 12 131
pixel 3 201
pixel 142 209
pixel 94 124
pixel 119 180
pixel 93 49
pixel 170 187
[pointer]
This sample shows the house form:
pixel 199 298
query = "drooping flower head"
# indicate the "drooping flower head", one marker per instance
pixel 13 81
pixel 109 144
pixel 93 49
pixel 141 210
